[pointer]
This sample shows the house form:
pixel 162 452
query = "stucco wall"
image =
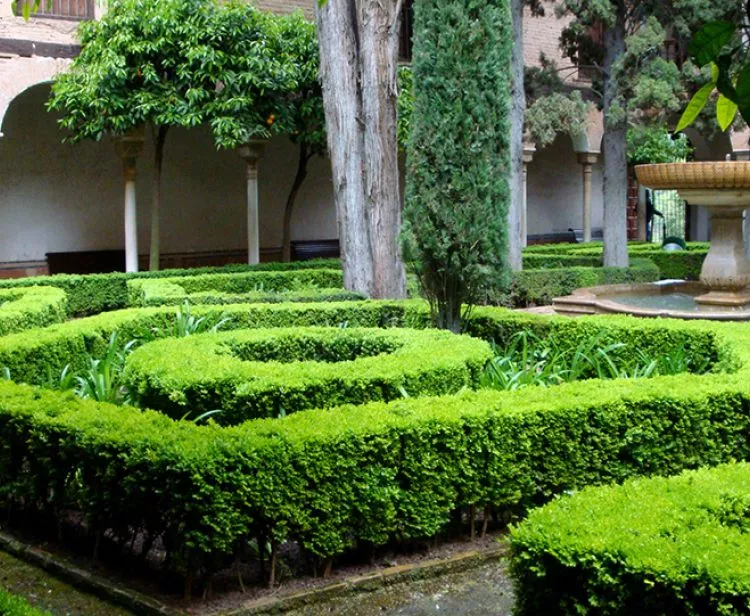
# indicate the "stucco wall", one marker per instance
pixel 59 197
pixel 555 190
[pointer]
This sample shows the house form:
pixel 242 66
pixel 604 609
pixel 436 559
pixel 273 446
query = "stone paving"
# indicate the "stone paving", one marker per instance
pixel 485 591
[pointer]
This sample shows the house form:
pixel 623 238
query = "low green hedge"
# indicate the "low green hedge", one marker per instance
pixel 678 265
pixel 33 355
pixel 251 374
pixel 333 478
pixel 12 605
pixel 253 287
pixel 94 293
pixel 22 309
pixel 541 286
pixel 648 547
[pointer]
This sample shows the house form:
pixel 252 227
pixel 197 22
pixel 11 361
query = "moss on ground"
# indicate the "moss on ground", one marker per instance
pixel 47 592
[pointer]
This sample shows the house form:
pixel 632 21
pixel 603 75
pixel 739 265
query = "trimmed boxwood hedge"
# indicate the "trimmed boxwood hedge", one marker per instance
pixel 648 547
pixel 678 265
pixel 332 478
pixel 94 293
pixel 22 309
pixel 11 605
pixel 251 374
pixel 541 286
pixel 244 288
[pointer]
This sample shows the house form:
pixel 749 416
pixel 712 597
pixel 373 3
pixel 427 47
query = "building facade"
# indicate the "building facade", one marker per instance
pixel 60 199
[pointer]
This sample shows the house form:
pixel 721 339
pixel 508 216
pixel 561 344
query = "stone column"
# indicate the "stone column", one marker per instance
pixel 587 160
pixel 129 147
pixel 250 154
pixel 528 156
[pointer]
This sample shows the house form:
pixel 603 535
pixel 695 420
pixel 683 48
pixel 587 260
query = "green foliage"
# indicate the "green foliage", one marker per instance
pixel 554 114
pixel 550 276
pixel 96 293
pixel 649 145
pixel 405 104
pixel 11 605
pixel 650 546
pixel 650 87
pixel 143 62
pixel 262 77
pixel 102 380
pixel 722 44
pixel 457 197
pixel 276 372
pixel 332 478
pixel 22 309
pixel 294 286
pixel 678 265
pixel 526 360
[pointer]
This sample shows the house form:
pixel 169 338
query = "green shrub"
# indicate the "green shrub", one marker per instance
pixel 458 162
pixel 245 288
pixel 11 605
pixel 332 478
pixel 541 286
pixel 96 293
pixel 678 265
pixel 22 309
pixel 275 372
pixel 32 356
pixel 648 547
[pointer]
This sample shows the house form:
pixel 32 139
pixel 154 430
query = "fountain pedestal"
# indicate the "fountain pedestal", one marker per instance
pixel 726 270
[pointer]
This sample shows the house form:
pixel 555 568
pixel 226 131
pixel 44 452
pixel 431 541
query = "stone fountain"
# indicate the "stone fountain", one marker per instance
pixel 723 188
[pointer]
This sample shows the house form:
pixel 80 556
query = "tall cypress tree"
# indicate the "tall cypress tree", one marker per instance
pixel 459 153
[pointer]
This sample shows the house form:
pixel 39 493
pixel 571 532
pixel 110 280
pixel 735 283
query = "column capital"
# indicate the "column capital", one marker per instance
pixel 529 149
pixel 130 144
pixel 252 150
pixel 588 158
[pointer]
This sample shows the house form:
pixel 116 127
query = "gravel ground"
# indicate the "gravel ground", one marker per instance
pixel 485 591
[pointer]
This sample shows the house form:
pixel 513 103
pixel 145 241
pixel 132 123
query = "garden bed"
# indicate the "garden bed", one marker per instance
pixel 194 499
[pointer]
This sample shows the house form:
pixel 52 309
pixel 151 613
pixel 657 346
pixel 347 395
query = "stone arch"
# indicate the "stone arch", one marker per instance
pixel 20 74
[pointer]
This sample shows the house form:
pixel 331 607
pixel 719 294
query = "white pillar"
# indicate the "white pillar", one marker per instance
pixel 251 153
pixel 587 160
pixel 129 147
pixel 528 156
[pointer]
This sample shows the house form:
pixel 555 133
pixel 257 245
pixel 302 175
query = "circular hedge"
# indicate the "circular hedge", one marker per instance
pixel 251 374
pixel 648 547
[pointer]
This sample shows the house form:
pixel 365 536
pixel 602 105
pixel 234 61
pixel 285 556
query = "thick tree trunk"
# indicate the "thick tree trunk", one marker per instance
pixel 614 154
pixel 517 112
pixel 358 53
pixel 159 134
pixel 299 178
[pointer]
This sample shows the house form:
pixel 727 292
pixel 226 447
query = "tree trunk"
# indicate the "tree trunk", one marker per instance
pixel 614 153
pixel 299 178
pixel 160 137
pixel 358 53
pixel 517 112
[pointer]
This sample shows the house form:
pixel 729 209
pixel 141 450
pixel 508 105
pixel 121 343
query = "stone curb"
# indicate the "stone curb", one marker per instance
pixel 368 583
pixel 142 604
pixel 85 580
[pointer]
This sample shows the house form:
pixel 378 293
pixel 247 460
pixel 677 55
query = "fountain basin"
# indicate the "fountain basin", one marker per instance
pixel 723 188
pixel 674 299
